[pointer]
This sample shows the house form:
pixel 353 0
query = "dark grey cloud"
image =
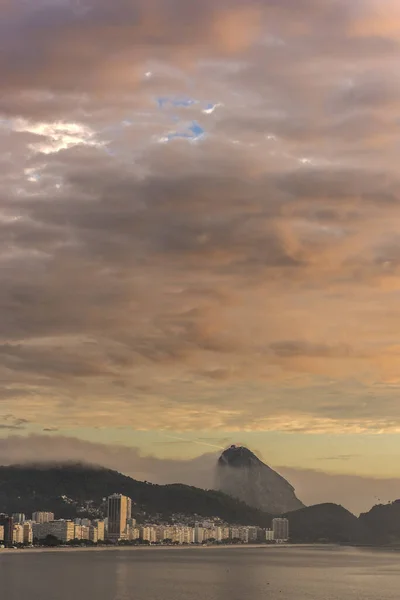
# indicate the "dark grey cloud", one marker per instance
pixel 158 280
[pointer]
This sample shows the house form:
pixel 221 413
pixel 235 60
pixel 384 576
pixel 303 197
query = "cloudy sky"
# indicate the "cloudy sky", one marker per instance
pixel 200 235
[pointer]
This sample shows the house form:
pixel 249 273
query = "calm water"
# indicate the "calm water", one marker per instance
pixel 207 574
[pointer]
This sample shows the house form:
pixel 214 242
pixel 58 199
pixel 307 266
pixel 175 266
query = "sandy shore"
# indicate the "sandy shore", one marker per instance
pixel 136 548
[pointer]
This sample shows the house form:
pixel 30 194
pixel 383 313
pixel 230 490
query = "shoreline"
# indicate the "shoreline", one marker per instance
pixel 41 550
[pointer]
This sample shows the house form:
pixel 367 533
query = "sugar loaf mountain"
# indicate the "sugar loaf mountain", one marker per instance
pixel 249 493
pixel 244 476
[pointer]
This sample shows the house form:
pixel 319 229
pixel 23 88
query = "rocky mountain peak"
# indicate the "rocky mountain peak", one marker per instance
pixel 241 474
pixel 238 456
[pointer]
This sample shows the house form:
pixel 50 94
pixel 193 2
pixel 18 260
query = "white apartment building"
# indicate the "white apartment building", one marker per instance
pixel 18 534
pixel 225 533
pixel 269 535
pixel 28 532
pixel 148 533
pixel 187 535
pixel 210 533
pixel 199 534
pixel 134 533
pixel 18 517
pixel 42 517
pixel 281 529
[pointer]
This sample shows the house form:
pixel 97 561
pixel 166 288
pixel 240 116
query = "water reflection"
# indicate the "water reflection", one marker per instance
pixel 124 584
pixel 201 574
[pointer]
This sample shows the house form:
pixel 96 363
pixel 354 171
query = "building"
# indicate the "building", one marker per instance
pixel 7 523
pixel 281 529
pixel 85 522
pixel 18 533
pixel 100 526
pixel 132 522
pixel 77 532
pixel 269 535
pixel 42 517
pixel 199 535
pixel 81 532
pixel 148 534
pixel 244 535
pixel 187 535
pixel 28 532
pixel 253 534
pixel 62 530
pixel 225 533
pixel 93 534
pixel 119 509
pixel 134 533
pixel 18 517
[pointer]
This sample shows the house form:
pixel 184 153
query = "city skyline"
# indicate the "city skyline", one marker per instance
pixel 199 238
pixel 118 526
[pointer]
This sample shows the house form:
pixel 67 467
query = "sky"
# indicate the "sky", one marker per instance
pixel 199 238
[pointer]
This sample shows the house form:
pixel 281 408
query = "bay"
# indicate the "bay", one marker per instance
pixel 272 573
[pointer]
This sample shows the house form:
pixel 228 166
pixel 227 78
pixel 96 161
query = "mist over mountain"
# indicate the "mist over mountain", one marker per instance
pixel 242 475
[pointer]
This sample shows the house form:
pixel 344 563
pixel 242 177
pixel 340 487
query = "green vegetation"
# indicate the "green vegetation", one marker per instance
pixel 77 490
pixel 324 523
pixel 383 523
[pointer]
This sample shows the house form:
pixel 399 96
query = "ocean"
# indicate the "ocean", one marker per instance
pixel 240 573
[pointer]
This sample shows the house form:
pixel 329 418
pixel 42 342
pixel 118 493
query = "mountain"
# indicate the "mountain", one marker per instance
pixel 71 490
pixel 383 523
pixel 242 475
pixel 326 523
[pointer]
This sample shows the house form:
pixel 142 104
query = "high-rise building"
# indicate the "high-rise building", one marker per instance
pixel 18 534
pixel 77 532
pixel 7 523
pixel 198 534
pixel 28 532
pixel 119 509
pixel 42 517
pixel 18 517
pixel 281 529
pixel 187 535
pixel 148 534
pixel 99 525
